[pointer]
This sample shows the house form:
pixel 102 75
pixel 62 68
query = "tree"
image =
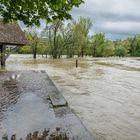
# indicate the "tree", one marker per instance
pixel 58 36
pixel 134 45
pixel 67 40
pixel 42 48
pixel 53 36
pixel 31 11
pixel 34 41
pixel 122 48
pixel 80 34
pixel 24 50
pixel 98 44
pixel 109 49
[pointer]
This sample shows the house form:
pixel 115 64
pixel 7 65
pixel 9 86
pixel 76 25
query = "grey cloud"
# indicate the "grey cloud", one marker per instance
pixel 114 17
pixel 120 27
pixel 105 16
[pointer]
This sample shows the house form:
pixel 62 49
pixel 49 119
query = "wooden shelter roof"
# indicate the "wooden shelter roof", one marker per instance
pixel 11 34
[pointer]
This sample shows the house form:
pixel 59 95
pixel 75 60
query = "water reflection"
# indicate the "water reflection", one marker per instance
pixel 9 94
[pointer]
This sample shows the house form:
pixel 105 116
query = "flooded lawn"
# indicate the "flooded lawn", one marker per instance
pixel 103 92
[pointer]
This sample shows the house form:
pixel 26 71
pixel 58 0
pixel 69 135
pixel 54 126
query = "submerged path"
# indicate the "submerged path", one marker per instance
pixel 29 102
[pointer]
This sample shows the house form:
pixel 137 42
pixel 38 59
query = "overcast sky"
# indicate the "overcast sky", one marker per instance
pixel 117 18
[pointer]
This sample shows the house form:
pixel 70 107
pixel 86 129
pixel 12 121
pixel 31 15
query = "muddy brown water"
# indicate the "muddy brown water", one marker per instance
pixel 103 92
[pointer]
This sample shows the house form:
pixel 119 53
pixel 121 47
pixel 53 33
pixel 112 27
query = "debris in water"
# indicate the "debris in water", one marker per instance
pixel 58 134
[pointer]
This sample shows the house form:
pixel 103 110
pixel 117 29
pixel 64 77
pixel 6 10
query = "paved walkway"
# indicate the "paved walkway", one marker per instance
pixel 30 102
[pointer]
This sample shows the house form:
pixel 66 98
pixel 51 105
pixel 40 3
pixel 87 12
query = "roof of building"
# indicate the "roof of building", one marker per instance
pixel 11 34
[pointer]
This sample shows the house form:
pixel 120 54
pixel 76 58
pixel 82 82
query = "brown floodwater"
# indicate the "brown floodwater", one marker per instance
pixel 103 92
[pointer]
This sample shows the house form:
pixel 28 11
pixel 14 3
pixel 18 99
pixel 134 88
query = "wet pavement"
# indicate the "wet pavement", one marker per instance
pixel 27 105
pixel 103 92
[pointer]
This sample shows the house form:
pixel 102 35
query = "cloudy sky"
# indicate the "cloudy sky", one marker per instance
pixel 117 18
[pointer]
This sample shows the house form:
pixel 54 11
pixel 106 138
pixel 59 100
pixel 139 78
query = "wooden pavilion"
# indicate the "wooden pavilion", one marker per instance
pixel 10 34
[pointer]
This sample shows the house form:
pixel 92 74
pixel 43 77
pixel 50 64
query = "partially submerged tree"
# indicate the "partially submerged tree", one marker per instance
pixel 33 42
pixel 31 11
pixel 53 37
pixel 100 46
pixel 58 36
pixel 122 48
pixel 81 32
pixel 134 49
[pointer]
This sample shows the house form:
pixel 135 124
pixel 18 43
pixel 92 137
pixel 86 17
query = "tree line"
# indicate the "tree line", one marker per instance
pixel 59 38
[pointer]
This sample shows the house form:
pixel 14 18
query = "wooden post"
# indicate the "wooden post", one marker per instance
pixel 2 55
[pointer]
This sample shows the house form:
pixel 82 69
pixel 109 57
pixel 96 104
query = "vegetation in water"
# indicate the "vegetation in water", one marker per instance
pixel 73 38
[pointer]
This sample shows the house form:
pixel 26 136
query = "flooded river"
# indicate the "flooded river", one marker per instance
pixel 103 92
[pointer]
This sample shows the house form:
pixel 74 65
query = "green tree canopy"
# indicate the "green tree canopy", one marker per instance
pixel 81 30
pixel 31 11
pixel 100 46
pixel 134 45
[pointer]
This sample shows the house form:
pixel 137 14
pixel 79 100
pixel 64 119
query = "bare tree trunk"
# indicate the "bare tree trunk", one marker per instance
pixel 94 51
pixel 35 51
pixel 2 54
pixel 34 55
pixel 82 52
